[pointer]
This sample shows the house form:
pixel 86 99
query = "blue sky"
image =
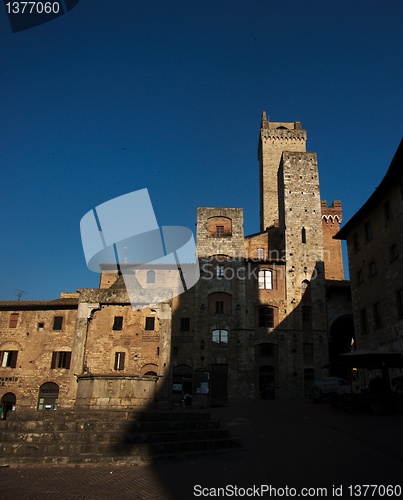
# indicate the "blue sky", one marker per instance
pixel 118 96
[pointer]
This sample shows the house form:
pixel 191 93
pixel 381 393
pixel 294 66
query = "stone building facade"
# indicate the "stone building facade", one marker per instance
pixel 36 344
pixel 258 323
pixel 375 251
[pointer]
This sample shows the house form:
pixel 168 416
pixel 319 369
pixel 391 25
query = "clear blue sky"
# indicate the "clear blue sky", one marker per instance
pixel 122 95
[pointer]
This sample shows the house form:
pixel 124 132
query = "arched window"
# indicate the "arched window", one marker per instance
pixel 265 279
pixel 48 396
pixel 219 226
pixel 151 277
pixel 219 336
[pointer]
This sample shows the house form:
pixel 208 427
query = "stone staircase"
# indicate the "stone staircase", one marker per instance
pixel 109 437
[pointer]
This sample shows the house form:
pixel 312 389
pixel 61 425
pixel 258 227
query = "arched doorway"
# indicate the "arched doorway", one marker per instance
pixel 8 402
pixel 48 396
pixel 182 386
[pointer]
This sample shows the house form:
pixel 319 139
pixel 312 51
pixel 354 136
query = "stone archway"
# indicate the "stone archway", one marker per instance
pixel 8 402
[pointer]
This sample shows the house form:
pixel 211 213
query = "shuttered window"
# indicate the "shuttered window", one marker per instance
pixel 57 322
pixel 150 323
pixel 8 359
pixel 13 320
pixel 119 361
pixel 61 359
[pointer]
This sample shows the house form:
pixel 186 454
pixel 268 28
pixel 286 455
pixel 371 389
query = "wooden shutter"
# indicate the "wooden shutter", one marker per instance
pixel 13 362
pixel 13 320
pixel 68 360
pixel 57 322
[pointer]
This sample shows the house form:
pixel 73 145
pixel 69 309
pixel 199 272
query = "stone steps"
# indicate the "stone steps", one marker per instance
pixel 65 437
pixel 132 437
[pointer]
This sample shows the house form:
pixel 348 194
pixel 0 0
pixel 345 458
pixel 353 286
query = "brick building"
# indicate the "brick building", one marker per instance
pixel 375 245
pixel 260 322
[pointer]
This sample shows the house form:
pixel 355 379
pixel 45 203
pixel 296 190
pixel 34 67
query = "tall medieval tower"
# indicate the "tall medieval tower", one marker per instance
pixel 290 200
pixel 275 137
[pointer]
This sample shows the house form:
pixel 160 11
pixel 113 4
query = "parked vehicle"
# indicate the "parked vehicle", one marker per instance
pixel 327 389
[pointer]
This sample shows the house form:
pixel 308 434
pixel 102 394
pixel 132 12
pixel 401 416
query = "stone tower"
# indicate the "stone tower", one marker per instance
pixel 331 219
pixel 275 137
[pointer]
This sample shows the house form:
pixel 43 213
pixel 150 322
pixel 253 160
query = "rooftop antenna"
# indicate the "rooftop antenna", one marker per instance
pixel 19 293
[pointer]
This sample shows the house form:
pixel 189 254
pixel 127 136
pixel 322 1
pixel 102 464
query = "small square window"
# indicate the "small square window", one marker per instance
pixel 185 324
pixel 220 270
pixel 117 323
pixel 58 323
pixel 41 327
pixel 372 268
pixel 150 323
pixel 303 235
pixel 219 231
pixel 119 361
pixel 219 307
pixel 368 231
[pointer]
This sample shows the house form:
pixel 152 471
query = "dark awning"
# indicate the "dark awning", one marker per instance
pixel 370 359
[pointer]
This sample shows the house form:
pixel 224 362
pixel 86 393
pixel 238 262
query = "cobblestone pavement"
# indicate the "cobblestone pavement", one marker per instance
pixel 294 444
